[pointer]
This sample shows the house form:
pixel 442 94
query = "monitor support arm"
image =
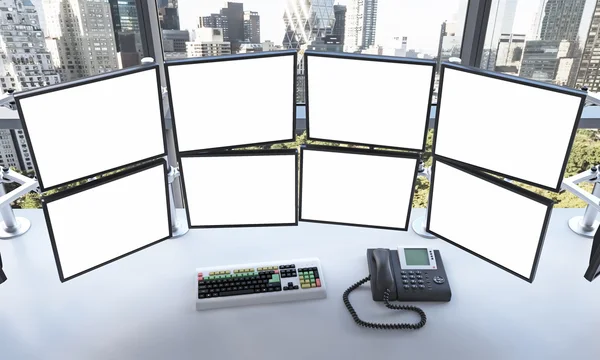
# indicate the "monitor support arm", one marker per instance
pixel 178 228
pixel 587 224
pixel 12 226
pixel 419 224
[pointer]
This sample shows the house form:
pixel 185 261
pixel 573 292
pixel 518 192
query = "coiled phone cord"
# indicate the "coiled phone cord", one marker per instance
pixel 386 296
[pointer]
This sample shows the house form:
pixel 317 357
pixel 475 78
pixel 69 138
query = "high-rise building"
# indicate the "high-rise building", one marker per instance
pixel 251 27
pixel 168 14
pixel 129 54
pixel 339 27
pixel 26 63
pixel 125 19
pixel 235 24
pixel 361 23
pixel 215 21
pixel 509 53
pixel 14 150
pixel 174 40
pixel 307 21
pixel 80 37
pixel 541 58
pixel 208 42
pixel 450 42
pixel 588 74
pixel 561 20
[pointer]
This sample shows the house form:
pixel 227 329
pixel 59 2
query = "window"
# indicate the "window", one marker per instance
pixel 430 29
pixel 548 40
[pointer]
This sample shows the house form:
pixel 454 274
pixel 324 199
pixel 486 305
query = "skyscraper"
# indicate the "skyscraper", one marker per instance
pixel 125 19
pixel 251 27
pixel 25 62
pixel 503 14
pixel 561 20
pixel 215 21
pixel 80 37
pixel 361 23
pixel 588 74
pixel 168 14
pixel 509 53
pixel 307 21
pixel 235 24
pixel 339 27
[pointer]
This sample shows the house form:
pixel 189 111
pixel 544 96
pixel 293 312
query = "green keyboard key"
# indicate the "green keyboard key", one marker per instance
pixel 275 278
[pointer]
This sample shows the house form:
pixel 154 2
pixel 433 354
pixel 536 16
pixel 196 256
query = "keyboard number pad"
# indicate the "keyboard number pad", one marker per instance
pixel 309 278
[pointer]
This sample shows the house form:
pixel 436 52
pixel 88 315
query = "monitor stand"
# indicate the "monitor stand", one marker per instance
pixel 585 225
pixel 419 225
pixel 12 226
pixel 178 228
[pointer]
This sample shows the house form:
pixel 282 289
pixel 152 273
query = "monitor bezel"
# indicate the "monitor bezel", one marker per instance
pixel 239 153
pixel 593 270
pixel 99 182
pixel 520 81
pixel 233 57
pixel 357 151
pixel 374 58
pixel 505 185
pixel 80 82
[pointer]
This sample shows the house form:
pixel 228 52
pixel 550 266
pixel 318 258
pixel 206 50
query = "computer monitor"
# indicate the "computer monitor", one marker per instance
pixel 349 186
pixel 488 217
pixel 80 129
pixel 369 100
pixel 230 101
pixel 240 188
pixel 593 269
pixel 510 126
pixel 107 219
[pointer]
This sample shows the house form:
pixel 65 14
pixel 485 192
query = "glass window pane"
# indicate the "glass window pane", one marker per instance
pixel 430 29
pixel 545 40
pixel 46 42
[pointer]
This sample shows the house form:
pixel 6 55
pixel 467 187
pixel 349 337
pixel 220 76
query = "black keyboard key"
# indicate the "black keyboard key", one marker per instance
pixel 201 282
pixel 292 266
pixel 290 283
pixel 237 292
pixel 274 285
pixel 270 289
pixel 202 287
pixel 278 289
pixel 285 288
pixel 203 291
pixel 295 287
pixel 257 290
pixel 201 296
pixel 261 273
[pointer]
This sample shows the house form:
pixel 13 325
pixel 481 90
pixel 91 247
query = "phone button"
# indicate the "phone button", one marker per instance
pixel 438 279
pixel 406 287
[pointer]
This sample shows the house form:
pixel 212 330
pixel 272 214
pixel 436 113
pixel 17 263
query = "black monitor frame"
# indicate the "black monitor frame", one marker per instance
pixel 80 82
pixel 90 185
pixel 375 58
pixel 235 57
pixel 503 184
pixel 520 81
pixel 238 153
pixel 357 151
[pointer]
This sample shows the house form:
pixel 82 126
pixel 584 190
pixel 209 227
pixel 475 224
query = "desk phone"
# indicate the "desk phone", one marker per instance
pixel 406 274
pixel 411 274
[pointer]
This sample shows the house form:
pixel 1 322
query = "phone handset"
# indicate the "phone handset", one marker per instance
pixel 382 278
pixel 383 288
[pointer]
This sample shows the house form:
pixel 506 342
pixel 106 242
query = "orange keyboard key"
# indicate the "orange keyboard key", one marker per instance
pixel 318 282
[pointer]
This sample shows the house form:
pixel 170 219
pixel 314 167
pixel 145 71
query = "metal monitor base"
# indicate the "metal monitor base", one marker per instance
pixel 7 232
pixel 578 226
pixel 418 227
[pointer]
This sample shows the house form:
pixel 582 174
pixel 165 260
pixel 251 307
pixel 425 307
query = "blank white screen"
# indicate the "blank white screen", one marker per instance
pixel 356 189
pixel 94 226
pixel 369 102
pixel 240 190
pixel 234 102
pixel 498 125
pixel 91 128
pixel 489 220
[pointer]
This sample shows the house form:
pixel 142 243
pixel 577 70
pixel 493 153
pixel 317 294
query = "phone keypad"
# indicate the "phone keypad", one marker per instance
pixel 417 280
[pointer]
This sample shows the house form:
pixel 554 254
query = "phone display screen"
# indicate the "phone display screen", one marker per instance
pixel 416 256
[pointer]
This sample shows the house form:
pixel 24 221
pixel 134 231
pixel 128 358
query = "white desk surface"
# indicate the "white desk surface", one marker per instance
pixel 142 307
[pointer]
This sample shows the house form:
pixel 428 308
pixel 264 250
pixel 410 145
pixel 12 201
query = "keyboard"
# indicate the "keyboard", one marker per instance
pixel 259 283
